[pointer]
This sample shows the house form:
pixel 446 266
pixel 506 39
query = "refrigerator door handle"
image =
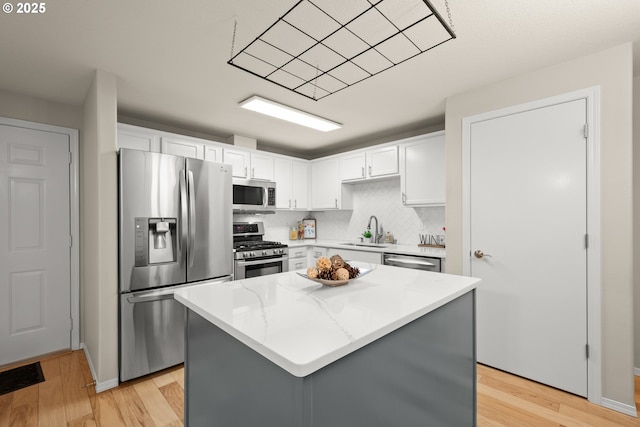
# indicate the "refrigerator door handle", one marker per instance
pixel 150 298
pixel 192 219
pixel 184 219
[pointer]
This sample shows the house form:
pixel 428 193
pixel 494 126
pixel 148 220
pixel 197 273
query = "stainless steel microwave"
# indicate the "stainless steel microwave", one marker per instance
pixel 253 196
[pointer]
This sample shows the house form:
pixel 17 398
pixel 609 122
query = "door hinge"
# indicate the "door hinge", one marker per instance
pixel 586 241
pixel 71 324
pixel 586 130
pixel 70 240
pixel 70 157
pixel 586 350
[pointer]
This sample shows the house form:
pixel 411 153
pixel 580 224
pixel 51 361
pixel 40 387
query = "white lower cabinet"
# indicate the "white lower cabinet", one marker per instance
pixel 313 253
pixel 362 256
pixel 297 258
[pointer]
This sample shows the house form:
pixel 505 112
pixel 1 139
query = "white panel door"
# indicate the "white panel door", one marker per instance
pixel 528 216
pixel 35 276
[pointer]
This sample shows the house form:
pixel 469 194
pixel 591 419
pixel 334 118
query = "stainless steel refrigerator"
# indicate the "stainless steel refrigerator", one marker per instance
pixel 175 230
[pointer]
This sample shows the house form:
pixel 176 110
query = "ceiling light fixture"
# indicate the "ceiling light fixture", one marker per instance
pixel 279 111
pixel 320 47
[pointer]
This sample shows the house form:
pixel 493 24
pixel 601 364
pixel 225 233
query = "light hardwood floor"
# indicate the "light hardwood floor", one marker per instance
pixel 157 400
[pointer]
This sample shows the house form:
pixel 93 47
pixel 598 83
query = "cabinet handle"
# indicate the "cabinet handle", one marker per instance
pixel 253 172
pixel 369 170
pixel 336 202
pixel 295 204
pixel 363 171
pixel 245 172
pixel 289 203
pixel 404 198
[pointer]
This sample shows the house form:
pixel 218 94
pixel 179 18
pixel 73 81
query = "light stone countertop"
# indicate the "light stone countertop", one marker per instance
pixel 302 326
pixel 388 247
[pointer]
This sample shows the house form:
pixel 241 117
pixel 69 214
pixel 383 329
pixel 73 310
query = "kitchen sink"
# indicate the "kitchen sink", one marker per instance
pixel 368 245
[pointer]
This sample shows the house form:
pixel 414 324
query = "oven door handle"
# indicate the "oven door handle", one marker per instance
pixel 242 263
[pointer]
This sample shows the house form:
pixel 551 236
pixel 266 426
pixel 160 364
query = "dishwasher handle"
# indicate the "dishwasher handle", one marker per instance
pixel 409 262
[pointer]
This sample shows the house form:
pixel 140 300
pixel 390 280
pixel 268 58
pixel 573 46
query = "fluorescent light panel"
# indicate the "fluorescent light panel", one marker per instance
pixel 282 112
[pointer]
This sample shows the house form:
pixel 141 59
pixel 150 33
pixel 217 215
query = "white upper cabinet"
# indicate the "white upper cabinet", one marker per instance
pixel 292 181
pixel 261 166
pixel 239 160
pixel 353 166
pixel 183 147
pixel 212 153
pixel 326 187
pixel 423 170
pixel 382 162
pixel 300 184
pixel 370 164
pixel 249 165
pixel 138 138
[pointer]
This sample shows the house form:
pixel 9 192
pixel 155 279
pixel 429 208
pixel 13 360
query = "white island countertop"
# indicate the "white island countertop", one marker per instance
pixel 302 326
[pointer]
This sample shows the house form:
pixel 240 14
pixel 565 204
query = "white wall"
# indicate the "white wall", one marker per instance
pixel 99 225
pixel 379 198
pixel 636 217
pixel 38 110
pixel 612 71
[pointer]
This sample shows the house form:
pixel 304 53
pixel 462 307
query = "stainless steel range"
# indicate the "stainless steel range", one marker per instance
pixel 254 256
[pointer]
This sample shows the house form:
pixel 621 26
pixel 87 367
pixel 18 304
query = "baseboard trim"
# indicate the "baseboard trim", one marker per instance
pixel 619 407
pixel 103 385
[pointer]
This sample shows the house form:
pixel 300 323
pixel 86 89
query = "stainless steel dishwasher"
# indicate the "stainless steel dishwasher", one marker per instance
pixel 415 262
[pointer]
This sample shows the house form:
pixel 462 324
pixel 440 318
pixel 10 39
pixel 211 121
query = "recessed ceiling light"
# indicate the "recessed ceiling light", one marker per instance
pixel 279 111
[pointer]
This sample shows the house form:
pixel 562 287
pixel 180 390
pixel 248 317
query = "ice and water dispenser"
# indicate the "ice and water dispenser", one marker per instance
pixel 156 240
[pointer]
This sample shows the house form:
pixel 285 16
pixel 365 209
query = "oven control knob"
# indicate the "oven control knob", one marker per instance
pixel 253 253
pixel 264 252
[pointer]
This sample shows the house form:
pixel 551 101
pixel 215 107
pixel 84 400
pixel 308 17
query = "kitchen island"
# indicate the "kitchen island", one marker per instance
pixel 394 347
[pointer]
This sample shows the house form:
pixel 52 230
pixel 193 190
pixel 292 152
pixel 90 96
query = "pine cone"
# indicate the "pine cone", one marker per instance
pixel 325 274
pixel 353 271
pixel 337 262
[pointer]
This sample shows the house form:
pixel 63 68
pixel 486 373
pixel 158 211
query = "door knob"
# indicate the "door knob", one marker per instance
pixel 479 254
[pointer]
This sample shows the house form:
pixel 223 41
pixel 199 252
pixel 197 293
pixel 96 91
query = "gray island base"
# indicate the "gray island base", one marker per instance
pixel 421 374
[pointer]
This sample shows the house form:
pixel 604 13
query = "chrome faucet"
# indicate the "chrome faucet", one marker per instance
pixel 376 232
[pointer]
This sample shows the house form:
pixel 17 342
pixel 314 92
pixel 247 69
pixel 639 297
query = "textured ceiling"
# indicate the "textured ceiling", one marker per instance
pixel 171 58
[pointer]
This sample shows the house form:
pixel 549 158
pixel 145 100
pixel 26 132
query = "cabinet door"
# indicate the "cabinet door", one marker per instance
pixel 239 160
pixel 282 177
pixel 179 147
pixel 212 154
pixel 299 184
pixel 382 162
pixel 325 184
pixel 363 256
pixel 138 138
pixel 352 166
pixel 261 167
pixel 297 263
pixel 423 177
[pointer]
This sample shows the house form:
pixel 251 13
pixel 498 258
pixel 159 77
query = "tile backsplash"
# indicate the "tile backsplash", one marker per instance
pixel 379 198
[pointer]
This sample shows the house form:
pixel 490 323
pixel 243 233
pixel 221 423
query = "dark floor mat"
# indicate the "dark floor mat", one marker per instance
pixel 17 378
